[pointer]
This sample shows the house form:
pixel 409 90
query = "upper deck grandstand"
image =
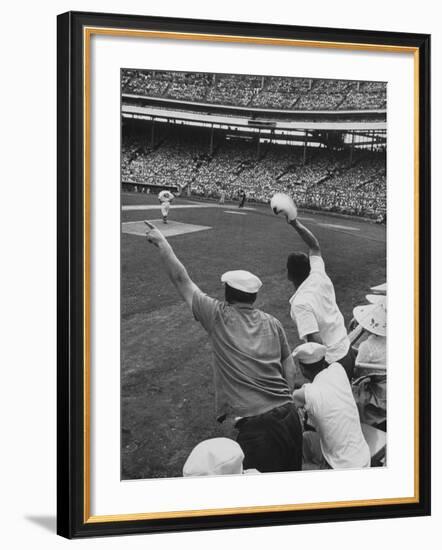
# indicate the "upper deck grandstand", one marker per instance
pixel 321 141
pixel 263 92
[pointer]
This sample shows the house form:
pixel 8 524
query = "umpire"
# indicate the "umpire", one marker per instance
pixel 253 367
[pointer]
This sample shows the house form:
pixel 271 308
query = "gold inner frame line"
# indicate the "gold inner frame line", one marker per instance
pixel 87 33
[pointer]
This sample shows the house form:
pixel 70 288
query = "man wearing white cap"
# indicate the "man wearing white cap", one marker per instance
pixel 338 441
pixel 373 319
pixel 313 306
pixel 253 367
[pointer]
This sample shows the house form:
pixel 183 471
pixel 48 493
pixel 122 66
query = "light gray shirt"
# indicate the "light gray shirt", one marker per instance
pixel 249 348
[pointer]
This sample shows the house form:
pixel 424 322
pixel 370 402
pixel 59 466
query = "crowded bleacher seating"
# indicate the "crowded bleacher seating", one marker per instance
pixel 327 180
pixel 267 92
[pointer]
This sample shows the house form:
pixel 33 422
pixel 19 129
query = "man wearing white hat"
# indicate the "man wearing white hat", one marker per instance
pixel 373 319
pixel 338 441
pixel 370 386
pixel 253 367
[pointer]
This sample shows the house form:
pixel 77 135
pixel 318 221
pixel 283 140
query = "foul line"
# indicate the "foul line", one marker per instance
pixel 336 226
pixel 233 212
pixel 178 206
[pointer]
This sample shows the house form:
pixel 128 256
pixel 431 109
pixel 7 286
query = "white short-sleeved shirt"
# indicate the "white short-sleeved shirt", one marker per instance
pixel 313 308
pixel 333 412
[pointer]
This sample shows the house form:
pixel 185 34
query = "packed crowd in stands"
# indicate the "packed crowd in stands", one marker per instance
pixel 326 181
pixel 369 95
pixel 173 161
pixel 256 91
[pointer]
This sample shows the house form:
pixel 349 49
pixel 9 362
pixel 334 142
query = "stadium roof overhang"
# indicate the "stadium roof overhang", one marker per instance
pixel 264 125
pixel 216 108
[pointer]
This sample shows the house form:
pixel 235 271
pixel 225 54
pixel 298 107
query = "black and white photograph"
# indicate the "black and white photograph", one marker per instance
pixel 253 274
pixel 219 234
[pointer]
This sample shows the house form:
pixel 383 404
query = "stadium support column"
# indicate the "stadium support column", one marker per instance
pixel 258 145
pixel 211 140
pixel 304 158
pixel 152 133
pixel 351 147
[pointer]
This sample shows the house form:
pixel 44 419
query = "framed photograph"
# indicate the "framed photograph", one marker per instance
pixel 243 274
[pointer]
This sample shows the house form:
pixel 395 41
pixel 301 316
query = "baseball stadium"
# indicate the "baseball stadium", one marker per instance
pixel 223 146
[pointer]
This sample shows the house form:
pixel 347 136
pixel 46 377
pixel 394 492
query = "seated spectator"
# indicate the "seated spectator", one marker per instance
pixel 370 386
pixel 373 350
pixel 370 393
pixel 337 441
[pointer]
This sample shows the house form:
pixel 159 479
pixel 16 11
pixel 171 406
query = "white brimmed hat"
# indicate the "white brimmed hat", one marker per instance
pixel 242 280
pixel 372 317
pixel 217 456
pixel 309 353
pixel 376 298
pixel 380 289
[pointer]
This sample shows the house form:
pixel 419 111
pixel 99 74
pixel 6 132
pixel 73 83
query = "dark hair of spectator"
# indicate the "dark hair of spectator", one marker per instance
pixel 311 370
pixel 298 267
pixel 235 295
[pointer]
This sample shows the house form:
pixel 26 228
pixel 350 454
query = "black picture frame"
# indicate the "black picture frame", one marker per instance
pixel 72 393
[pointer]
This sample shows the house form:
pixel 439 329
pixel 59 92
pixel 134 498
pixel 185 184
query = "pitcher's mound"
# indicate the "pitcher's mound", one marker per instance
pixel 169 229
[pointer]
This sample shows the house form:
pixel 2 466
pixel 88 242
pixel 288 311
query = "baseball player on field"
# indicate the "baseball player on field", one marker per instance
pixel 165 197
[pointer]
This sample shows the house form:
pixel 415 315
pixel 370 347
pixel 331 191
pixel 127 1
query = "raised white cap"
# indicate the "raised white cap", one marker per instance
pixel 380 289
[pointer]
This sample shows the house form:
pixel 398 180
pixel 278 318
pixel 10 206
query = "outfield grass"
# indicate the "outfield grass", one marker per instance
pixel 167 392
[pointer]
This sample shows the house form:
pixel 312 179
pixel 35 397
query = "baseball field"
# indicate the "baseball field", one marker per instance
pixel 167 395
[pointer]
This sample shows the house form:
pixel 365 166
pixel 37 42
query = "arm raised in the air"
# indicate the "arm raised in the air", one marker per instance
pixel 307 236
pixel 174 268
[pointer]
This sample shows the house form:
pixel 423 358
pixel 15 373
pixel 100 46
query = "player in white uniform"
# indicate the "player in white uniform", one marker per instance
pixel 165 197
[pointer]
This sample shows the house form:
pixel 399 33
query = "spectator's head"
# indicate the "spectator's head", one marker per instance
pixel 240 286
pixel 233 295
pixel 217 456
pixel 298 268
pixel 311 359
